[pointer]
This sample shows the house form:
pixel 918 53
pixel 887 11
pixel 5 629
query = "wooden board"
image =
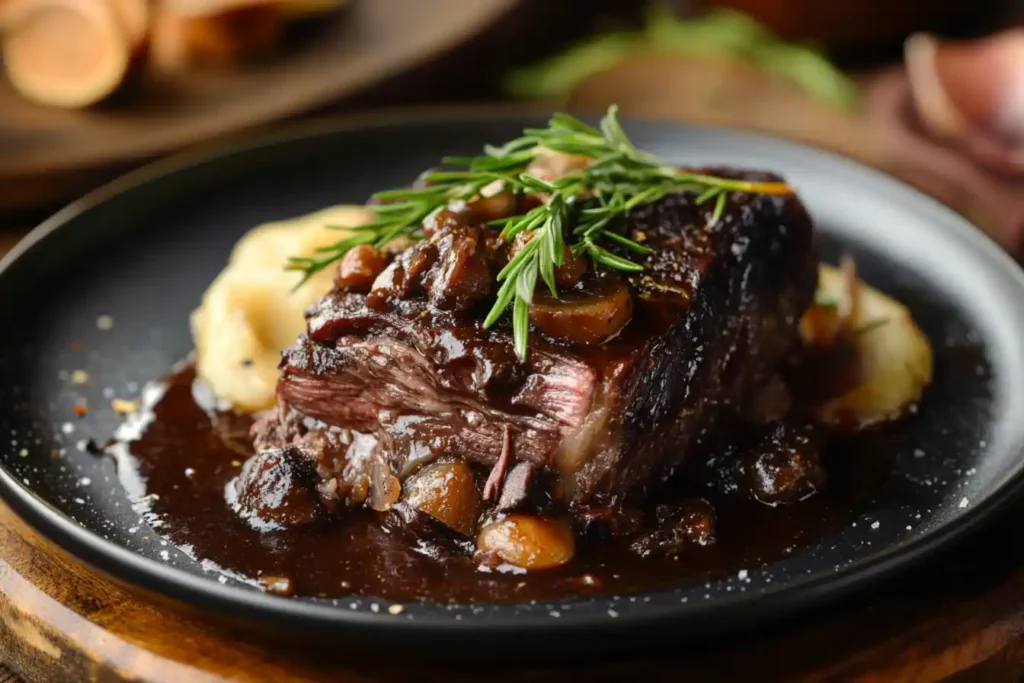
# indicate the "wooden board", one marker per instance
pixel 961 619
pixel 45 153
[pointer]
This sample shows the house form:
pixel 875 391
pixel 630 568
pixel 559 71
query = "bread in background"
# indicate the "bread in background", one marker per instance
pixel 71 53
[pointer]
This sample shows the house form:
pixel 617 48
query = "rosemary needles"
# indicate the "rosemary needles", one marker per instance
pixel 583 209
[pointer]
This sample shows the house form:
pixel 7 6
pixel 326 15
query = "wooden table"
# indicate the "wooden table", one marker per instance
pixel 960 619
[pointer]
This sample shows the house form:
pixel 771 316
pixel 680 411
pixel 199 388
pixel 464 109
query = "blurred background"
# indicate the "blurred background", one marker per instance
pixel 931 91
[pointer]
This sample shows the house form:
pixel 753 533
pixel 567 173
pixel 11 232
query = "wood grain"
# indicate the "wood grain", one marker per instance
pixel 64 622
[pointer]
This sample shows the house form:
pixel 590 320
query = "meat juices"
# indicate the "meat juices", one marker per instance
pixel 384 383
pixel 189 454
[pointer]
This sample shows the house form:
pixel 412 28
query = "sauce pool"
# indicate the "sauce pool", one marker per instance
pixel 183 453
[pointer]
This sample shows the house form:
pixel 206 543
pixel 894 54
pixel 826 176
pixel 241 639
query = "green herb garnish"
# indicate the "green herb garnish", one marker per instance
pixel 585 207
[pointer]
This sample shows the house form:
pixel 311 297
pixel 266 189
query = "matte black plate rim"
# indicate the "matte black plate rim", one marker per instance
pixel 722 612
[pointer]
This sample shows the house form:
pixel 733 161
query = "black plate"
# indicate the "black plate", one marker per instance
pixel 143 250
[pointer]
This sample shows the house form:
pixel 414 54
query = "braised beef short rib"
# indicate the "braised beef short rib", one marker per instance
pixel 383 383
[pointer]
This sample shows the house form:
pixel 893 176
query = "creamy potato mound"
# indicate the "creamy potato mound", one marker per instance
pixel 250 313
pixel 894 358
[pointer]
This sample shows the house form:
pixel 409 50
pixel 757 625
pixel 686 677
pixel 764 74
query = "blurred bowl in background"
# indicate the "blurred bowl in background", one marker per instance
pixel 724 91
pixel 372 53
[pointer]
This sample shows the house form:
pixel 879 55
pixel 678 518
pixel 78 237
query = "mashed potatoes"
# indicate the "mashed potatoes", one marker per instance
pixel 894 358
pixel 250 313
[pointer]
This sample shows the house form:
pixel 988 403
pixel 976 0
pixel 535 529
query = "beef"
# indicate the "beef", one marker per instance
pixel 342 459
pixel 687 523
pixel 275 489
pixel 715 315
pixel 518 487
pixel 784 465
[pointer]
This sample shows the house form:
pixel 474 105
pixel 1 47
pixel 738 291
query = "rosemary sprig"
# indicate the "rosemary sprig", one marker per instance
pixel 589 204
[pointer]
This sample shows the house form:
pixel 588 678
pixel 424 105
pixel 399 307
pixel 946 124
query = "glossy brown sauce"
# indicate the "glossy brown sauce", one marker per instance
pixel 185 456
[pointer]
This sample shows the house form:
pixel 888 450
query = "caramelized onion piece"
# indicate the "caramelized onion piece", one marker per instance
pixel 385 489
pixel 528 542
pixel 359 268
pixel 64 53
pixel 589 317
pixel 831 316
pixel 446 491
pixel 821 325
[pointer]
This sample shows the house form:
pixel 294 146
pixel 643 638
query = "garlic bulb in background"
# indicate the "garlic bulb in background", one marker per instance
pixel 971 93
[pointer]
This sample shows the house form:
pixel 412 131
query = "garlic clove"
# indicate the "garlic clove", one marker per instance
pixel 936 109
pixel 972 93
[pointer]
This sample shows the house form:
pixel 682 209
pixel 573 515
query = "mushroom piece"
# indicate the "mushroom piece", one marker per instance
pixel 276 489
pixel 359 268
pixel 65 53
pixel 568 274
pixel 590 316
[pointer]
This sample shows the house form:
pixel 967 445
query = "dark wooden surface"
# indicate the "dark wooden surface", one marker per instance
pixel 961 618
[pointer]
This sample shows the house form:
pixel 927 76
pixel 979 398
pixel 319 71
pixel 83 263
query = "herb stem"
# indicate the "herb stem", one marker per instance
pixel 588 204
